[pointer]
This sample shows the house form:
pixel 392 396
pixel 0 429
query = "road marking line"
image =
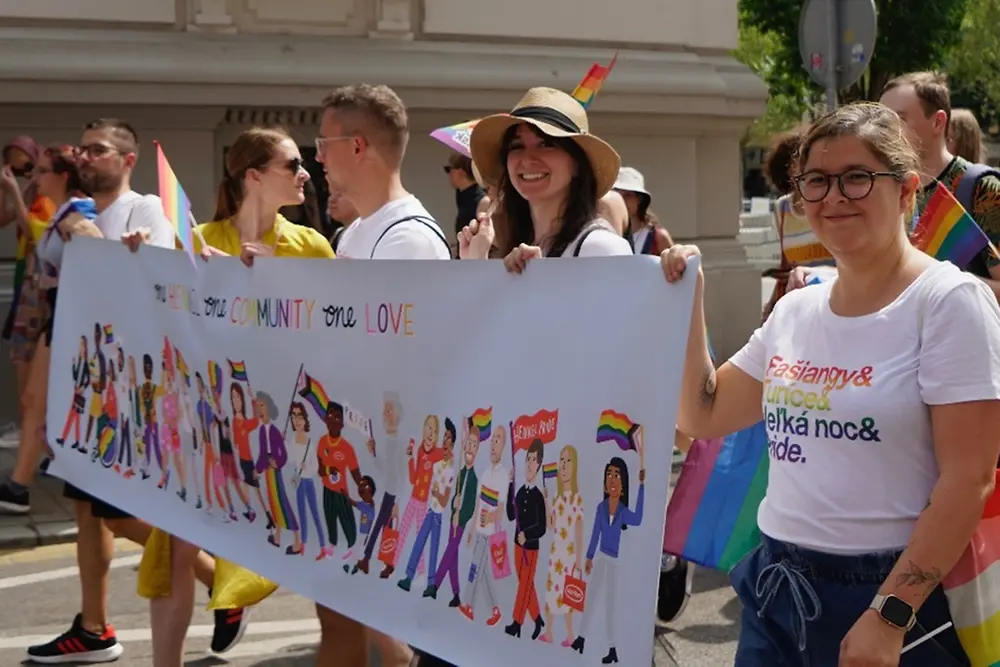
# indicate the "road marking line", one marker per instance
pixel 61 573
pixel 310 625
pixel 55 552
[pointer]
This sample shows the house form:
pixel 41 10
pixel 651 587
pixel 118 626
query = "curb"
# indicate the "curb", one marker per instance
pixel 30 536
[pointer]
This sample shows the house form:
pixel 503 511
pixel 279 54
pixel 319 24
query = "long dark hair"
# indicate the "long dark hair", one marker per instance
pixel 617 462
pixel 580 208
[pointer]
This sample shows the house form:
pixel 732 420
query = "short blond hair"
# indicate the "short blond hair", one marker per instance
pixel 374 112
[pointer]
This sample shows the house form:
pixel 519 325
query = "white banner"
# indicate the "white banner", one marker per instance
pixel 376 413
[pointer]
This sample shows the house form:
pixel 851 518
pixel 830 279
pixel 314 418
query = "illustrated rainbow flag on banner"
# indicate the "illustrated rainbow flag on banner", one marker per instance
pixel 215 377
pixel 617 428
pixel 489 496
pixel 587 90
pixel 176 204
pixel 182 366
pixel 550 470
pixel 104 445
pixel 947 232
pixel 312 391
pixel 482 419
pixel 238 370
pixel 974 609
pixel 712 515
pixel 109 333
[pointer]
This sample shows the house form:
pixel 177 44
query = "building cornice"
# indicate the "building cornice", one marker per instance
pixel 223 69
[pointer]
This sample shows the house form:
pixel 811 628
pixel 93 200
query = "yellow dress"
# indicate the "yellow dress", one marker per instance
pixel 234 586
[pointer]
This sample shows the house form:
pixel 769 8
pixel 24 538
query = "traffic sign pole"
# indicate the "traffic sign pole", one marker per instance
pixel 833 62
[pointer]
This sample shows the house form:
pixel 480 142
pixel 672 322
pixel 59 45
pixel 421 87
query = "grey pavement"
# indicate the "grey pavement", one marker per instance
pixel 40 596
pixel 51 519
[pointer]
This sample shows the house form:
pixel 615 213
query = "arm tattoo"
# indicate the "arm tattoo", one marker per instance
pixel 919 577
pixel 708 387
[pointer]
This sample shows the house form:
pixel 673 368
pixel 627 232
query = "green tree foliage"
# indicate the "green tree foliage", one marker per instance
pixel 913 35
pixel 973 64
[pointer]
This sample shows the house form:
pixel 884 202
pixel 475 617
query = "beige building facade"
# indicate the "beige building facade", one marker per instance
pixel 192 73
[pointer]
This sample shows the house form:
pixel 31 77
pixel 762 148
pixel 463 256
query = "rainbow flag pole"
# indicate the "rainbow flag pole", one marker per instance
pixel 176 204
pixel 587 90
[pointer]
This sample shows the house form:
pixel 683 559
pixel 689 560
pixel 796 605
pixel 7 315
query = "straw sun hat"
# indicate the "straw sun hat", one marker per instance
pixel 555 114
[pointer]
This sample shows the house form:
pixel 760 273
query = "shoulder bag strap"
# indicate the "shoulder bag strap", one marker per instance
pixel 592 227
pixel 423 219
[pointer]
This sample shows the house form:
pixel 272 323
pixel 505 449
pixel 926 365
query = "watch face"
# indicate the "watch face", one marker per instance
pixel 896 611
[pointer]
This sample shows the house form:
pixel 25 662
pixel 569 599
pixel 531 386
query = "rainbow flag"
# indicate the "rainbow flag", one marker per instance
pixel 550 470
pixel 238 369
pixel 587 90
pixel 974 610
pixel 489 496
pixel 182 366
pixel 482 419
pixel 947 232
pixel 215 377
pixel 312 391
pixel 456 137
pixel 105 442
pixel 176 204
pixel 712 515
pixel 109 334
pixel 617 428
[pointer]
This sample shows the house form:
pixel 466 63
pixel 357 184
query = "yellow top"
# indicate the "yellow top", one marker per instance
pixel 293 240
pixel 234 586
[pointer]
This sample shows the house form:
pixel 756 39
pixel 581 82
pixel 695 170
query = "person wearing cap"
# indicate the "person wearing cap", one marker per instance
pixel 551 174
pixel 648 237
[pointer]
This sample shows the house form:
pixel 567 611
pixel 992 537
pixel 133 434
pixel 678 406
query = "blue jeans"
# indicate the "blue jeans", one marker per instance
pixel 799 604
pixel 431 527
pixel 306 496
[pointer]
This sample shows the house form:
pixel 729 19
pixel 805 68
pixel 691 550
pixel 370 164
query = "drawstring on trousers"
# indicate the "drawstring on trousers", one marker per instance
pixel 803 595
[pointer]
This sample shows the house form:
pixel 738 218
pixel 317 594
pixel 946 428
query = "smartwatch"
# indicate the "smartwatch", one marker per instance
pixel 894 611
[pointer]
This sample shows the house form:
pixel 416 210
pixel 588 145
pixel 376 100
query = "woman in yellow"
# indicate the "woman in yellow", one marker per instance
pixel 263 173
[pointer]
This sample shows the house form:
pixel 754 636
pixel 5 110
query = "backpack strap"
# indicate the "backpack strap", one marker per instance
pixel 592 227
pixel 649 243
pixel 430 223
pixel 965 191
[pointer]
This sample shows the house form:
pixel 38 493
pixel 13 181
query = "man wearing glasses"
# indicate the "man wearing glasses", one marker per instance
pixel 107 155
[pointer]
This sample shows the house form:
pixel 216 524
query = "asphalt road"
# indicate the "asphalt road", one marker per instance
pixel 40 595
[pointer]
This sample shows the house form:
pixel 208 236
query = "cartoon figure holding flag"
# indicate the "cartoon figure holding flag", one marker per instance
pixel 98 380
pixel 527 510
pixel 611 519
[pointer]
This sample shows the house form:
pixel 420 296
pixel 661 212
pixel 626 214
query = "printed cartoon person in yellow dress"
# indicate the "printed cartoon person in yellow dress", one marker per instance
pixel 148 393
pixel 566 548
pixel 98 379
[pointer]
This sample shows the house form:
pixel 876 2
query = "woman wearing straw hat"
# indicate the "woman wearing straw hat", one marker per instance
pixel 648 237
pixel 551 173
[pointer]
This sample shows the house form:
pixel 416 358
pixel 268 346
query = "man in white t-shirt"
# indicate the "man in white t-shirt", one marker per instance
pixel 107 155
pixel 361 144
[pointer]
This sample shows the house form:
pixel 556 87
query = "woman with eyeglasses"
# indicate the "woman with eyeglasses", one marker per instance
pixel 880 391
pixel 264 172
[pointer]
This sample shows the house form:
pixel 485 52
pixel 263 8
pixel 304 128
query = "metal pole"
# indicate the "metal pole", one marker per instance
pixel 832 54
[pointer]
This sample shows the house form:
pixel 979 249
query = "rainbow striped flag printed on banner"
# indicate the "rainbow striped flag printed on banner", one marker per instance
pixel 489 496
pixel 550 471
pixel 947 232
pixel 973 589
pixel 712 514
pixel 312 391
pixel 587 90
pixel 238 370
pixel 482 419
pixel 176 204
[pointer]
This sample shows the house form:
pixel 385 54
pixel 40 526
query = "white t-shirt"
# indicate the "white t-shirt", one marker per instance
pixel 600 242
pixel 845 404
pixel 132 211
pixel 302 455
pixel 412 239
pixel 495 480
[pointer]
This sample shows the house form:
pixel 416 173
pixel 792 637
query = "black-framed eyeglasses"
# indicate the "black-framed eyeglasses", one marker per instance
pixel 96 151
pixel 854 184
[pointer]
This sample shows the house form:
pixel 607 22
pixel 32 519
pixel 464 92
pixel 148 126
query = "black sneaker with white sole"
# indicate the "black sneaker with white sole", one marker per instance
pixel 676 576
pixel 230 625
pixel 13 503
pixel 78 646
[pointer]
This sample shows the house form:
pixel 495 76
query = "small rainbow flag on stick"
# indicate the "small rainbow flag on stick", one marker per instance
pixel 456 137
pixel 592 82
pixel 182 366
pixel 482 419
pixel 238 369
pixel 947 232
pixel 550 470
pixel 312 391
pixel 617 428
pixel 215 377
pixel 489 496
pixel 176 204
pixel 109 333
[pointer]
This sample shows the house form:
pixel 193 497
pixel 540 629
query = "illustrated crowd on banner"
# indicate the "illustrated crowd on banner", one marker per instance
pixel 292 470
